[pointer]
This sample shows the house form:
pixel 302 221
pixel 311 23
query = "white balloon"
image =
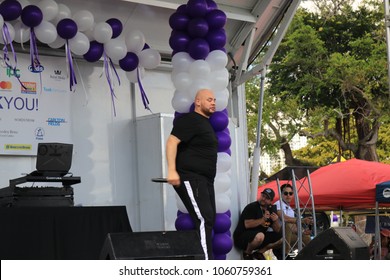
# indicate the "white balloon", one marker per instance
pixel 84 20
pixel 222 99
pixel 199 69
pixel 149 58
pixel 79 44
pixel 222 202
pixel 115 49
pixel 63 12
pixel 89 34
pixel 102 32
pixel 181 102
pixel 132 76
pixel 181 61
pixel 22 32
pixel 11 32
pixel 58 43
pixel 224 162
pixel 1 21
pixel 135 41
pixel 46 32
pixel 217 60
pixel 49 9
pixel 181 80
pixel 222 182
pixel 220 79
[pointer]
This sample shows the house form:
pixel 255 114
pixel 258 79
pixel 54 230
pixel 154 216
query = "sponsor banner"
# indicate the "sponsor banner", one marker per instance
pixel 34 105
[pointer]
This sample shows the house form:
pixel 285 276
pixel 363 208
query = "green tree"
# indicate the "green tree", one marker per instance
pixel 327 81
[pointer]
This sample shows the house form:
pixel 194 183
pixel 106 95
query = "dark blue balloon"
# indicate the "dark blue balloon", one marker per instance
pixel 179 41
pixel 116 26
pixel 198 48
pixel 211 5
pixel 95 52
pixel 196 8
pixel 129 62
pixel 219 120
pixel 197 27
pixel 224 141
pixel 216 39
pixel 10 10
pixel 179 21
pixel 216 19
pixel 182 9
pixel 67 28
pixel 222 243
pixel 31 16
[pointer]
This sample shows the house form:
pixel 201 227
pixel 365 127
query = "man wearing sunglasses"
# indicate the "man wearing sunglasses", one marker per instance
pixel 253 233
pixel 290 219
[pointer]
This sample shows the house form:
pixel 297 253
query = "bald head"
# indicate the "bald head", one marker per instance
pixel 205 102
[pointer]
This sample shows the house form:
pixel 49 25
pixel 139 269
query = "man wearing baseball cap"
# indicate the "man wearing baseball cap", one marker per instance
pixel 251 234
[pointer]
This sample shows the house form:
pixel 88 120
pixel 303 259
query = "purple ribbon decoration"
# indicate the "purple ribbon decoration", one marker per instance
pixel 8 40
pixel 35 64
pixel 145 99
pixel 108 66
pixel 69 59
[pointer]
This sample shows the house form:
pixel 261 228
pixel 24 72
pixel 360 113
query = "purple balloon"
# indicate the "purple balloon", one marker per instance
pixel 129 62
pixel 216 19
pixel 198 48
pixel 146 46
pixel 116 26
pixel 211 5
pixel 182 9
pixel 220 257
pixel 31 16
pixel 197 27
pixel 10 10
pixel 179 21
pixel 228 213
pixel 196 8
pixel 95 52
pixel 179 41
pixel 219 121
pixel 216 39
pixel 222 244
pixel 184 222
pixel 222 223
pixel 67 28
pixel 224 141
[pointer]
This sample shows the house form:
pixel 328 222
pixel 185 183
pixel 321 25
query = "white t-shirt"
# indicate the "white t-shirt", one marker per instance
pixel 288 211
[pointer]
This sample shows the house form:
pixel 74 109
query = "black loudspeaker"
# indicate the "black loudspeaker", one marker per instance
pixel 340 243
pixel 161 245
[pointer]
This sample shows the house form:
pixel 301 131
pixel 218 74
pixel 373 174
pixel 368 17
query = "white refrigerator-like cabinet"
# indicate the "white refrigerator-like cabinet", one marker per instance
pixel 157 201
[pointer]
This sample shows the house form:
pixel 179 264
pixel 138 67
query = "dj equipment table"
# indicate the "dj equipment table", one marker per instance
pixel 62 233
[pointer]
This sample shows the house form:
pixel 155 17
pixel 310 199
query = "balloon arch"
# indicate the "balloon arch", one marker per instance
pixel 55 25
pixel 199 61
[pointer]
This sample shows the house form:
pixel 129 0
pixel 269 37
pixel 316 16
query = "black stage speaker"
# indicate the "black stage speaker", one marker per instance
pixel 161 245
pixel 340 243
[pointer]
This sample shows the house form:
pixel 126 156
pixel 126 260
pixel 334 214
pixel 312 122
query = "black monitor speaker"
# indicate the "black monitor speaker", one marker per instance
pixel 161 245
pixel 339 243
pixel 54 159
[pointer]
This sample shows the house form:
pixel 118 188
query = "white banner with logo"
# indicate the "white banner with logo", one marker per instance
pixel 34 108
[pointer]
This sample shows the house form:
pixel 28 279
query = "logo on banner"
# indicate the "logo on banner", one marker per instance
pixel 57 75
pixel 38 68
pixel 29 88
pixel 56 121
pixel 39 133
pixel 10 72
pixel 5 85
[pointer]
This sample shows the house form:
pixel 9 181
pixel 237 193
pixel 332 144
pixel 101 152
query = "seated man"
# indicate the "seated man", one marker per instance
pixel 251 234
pixel 291 229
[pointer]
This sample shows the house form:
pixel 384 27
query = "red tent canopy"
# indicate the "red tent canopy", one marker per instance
pixel 347 185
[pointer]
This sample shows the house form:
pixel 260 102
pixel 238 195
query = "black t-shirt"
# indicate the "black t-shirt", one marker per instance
pixel 197 151
pixel 251 211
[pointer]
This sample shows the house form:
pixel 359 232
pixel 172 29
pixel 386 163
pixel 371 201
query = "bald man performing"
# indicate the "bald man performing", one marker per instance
pixel 191 152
